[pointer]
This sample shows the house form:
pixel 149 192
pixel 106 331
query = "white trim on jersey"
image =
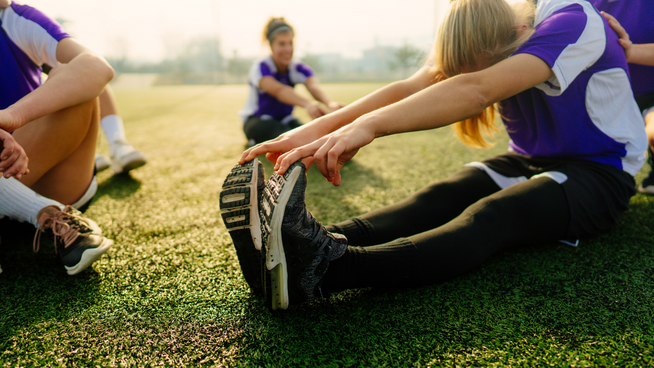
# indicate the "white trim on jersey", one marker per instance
pixel 254 78
pixel 607 103
pixel 507 181
pixel 578 56
pixel 31 38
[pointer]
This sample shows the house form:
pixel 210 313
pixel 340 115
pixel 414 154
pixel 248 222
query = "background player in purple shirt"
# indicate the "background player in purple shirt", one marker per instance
pixel 633 20
pixel 268 111
pixel 56 123
pixel 577 139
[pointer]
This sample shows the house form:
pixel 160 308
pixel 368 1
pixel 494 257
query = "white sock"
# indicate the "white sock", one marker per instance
pixel 112 126
pixel 20 202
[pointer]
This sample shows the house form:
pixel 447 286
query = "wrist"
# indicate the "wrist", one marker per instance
pixel 371 122
pixel 10 119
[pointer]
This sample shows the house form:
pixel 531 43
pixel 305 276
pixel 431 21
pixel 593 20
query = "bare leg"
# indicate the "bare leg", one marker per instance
pixel 108 105
pixel 61 148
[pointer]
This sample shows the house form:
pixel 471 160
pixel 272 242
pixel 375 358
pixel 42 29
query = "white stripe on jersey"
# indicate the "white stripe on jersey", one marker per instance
pixel 31 38
pixel 606 105
pixel 578 56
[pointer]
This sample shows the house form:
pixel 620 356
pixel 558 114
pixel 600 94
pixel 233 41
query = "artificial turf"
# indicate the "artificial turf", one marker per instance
pixel 170 292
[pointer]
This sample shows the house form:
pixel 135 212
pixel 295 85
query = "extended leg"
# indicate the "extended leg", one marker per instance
pixel 526 213
pixel 429 208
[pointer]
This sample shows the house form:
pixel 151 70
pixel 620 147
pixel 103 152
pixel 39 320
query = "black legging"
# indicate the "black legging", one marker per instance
pixel 261 130
pixel 446 229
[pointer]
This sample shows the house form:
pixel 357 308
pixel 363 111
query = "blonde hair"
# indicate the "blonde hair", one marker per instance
pixel 272 24
pixel 476 34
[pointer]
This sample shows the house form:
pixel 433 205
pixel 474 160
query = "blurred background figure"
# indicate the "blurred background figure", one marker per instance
pixel 268 110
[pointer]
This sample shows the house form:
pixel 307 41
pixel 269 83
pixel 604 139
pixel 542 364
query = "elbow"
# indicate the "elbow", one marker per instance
pixel 480 97
pixel 101 68
pixel 480 101
pixel 107 72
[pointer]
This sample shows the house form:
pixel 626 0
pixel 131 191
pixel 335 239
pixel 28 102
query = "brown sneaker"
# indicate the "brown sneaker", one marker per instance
pixel 78 240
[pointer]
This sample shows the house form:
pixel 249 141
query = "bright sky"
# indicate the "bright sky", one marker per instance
pixel 155 29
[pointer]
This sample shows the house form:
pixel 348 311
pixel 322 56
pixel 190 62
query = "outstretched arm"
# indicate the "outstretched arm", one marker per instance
pixel 317 128
pixel 313 85
pixel 82 77
pixel 642 54
pixel 287 95
pixel 452 100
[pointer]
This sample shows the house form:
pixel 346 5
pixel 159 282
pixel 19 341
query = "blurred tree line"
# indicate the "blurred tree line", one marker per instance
pixel 200 61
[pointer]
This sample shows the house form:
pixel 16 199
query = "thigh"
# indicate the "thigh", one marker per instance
pixel 61 148
pixel 261 130
pixel 530 212
pixel 293 123
pixel 429 208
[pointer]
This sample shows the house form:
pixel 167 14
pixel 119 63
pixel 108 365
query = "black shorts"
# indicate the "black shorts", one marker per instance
pixel 645 102
pixel 597 194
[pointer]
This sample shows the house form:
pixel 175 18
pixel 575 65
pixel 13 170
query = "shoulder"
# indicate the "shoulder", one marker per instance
pixel 23 17
pixel 560 23
pixel 264 65
pixel 299 67
pixel 562 12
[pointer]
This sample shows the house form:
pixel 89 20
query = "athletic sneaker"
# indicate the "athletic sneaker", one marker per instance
pixel 297 248
pixel 77 239
pixel 101 162
pixel 124 157
pixel 239 203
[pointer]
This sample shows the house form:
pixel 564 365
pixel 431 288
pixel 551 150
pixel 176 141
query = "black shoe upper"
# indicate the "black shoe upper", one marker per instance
pixel 307 244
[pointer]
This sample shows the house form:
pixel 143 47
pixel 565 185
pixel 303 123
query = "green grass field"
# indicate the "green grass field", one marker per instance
pixel 170 293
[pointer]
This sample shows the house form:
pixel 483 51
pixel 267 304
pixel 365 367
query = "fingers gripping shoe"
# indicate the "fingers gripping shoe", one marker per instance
pixel 78 241
pixel 239 203
pixel 124 157
pixel 297 248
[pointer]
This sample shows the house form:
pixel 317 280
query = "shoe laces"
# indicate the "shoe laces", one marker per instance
pixel 64 227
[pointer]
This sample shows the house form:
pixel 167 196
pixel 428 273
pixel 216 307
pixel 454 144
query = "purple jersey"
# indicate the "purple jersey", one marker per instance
pixel 586 111
pixel 27 41
pixel 261 103
pixel 634 16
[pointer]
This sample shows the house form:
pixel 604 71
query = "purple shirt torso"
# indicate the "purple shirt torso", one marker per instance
pixel 636 18
pixel 586 111
pixel 261 103
pixel 28 39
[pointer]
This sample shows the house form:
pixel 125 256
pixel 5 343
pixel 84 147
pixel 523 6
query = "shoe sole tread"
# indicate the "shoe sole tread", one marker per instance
pixel 240 214
pixel 275 197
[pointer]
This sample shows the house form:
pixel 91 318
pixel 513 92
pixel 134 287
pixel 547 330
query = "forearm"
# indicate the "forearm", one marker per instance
pixel 442 104
pixel 81 80
pixel 385 96
pixel 288 96
pixel 642 54
pixel 319 94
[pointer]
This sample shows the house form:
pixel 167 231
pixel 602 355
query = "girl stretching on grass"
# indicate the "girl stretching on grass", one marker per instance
pixel 559 79
pixel 268 111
